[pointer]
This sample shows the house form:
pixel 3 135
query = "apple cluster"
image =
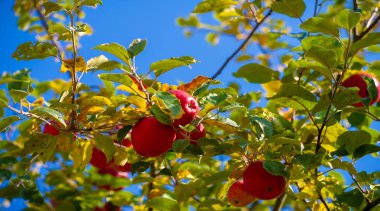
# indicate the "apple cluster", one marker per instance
pixel 257 183
pixel 151 138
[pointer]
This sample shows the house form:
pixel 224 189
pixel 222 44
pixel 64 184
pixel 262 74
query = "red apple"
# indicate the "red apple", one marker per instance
pixel 108 207
pixel 151 138
pixel 49 129
pixel 197 133
pixel 261 184
pixel 114 173
pixel 357 80
pixel 189 106
pixel 238 196
pixel 99 159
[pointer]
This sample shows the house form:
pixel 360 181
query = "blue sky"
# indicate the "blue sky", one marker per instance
pixel 123 21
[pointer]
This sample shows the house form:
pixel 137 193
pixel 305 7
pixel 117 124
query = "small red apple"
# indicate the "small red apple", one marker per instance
pixel 357 80
pixel 197 133
pixel 237 196
pixel 189 106
pixel 261 184
pixel 114 173
pixel 108 207
pixel 151 138
pixel 49 129
pixel 99 159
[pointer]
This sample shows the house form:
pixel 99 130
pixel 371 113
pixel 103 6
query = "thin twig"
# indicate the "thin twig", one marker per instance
pixel 46 27
pixel 368 29
pixel 315 8
pixel 279 202
pixel 355 7
pixel 73 72
pixel 371 204
pixel 220 70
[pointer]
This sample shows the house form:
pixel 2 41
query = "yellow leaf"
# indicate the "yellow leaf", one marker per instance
pixel 68 65
pixel 223 126
pixel 95 101
pixel 65 142
pixel 124 155
pixel 155 193
pixel 81 154
pixel 183 173
pixel 58 85
pixel 137 101
pixel 333 132
pixel 133 89
pixel 165 87
pixel 272 87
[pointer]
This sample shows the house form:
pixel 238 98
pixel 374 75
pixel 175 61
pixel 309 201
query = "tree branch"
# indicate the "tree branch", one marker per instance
pixel 220 70
pixel 279 202
pixel 369 28
pixel 46 27
pixel 315 8
pixel 372 204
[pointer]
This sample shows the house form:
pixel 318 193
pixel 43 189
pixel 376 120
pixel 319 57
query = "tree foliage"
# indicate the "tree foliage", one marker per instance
pixel 309 131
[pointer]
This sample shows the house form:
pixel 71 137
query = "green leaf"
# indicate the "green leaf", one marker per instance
pixel 5 174
pixel 81 154
pixel 51 7
pixel 91 3
pixel 160 115
pixel 49 114
pixel 5 122
pixel 322 69
pixel 275 168
pixel 346 97
pixel 115 49
pixel 140 167
pixel 171 103
pixel 165 171
pixel 180 145
pixel 210 5
pixel 43 144
pixel 32 195
pixel 294 96
pixel 308 161
pixel 365 149
pixel 322 55
pixel 319 24
pixel 347 18
pixel 123 132
pixel 136 47
pixel 116 77
pixel 17 95
pixel 352 140
pixel 106 145
pixel 103 63
pixel 164 204
pixel 165 65
pixel 96 101
pixel 353 198
pixel 264 128
pixel 38 50
pixel 8 160
pixel 291 8
pixel 256 73
pixel 3 99
pixel 369 40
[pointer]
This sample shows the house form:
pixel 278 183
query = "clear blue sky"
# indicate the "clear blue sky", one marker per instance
pixel 123 21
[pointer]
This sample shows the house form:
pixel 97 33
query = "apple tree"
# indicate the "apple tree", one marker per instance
pixel 136 142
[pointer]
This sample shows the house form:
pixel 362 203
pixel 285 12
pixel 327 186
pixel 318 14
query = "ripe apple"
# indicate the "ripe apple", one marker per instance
pixel 197 133
pixel 99 159
pixel 261 184
pixel 49 129
pixel 151 138
pixel 189 106
pixel 114 173
pixel 238 196
pixel 108 207
pixel 357 80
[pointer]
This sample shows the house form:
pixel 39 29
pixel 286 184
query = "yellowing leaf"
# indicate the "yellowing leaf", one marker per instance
pixel 81 154
pixel 165 87
pixel 183 173
pixel 133 89
pixel 96 101
pixel 68 65
pixel 155 193
pixel 58 86
pixel 121 155
pixel 195 84
pixel 272 87
pixel 137 101
pixel 333 132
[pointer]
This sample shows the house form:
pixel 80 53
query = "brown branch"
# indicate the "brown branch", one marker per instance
pixel 315 8
pixel 372 204
pixel 368 29
pixel 46 27
pixel 279 202
pixel 220 70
